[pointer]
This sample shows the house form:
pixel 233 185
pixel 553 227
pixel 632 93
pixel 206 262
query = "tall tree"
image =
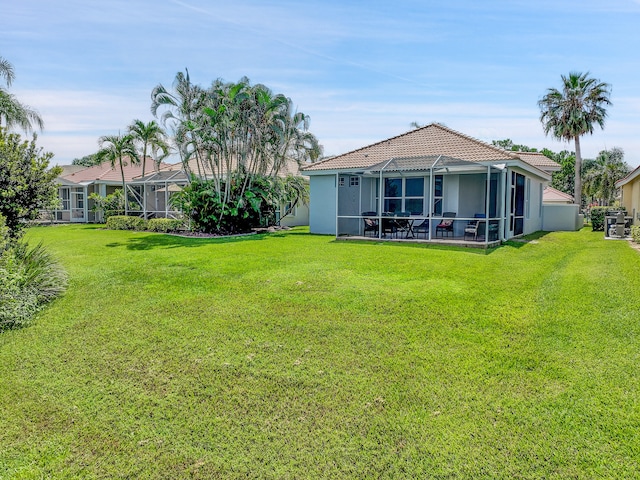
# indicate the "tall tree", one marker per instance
pixel 602 174
pixel 574 111
pixel 118 149
pixel 13 113
pixel 151 138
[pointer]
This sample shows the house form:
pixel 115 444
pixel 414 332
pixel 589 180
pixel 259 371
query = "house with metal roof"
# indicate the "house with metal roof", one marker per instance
pixel 431 184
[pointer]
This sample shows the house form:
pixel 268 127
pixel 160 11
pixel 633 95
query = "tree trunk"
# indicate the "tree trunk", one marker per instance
pixel 124 188
pixel 577 186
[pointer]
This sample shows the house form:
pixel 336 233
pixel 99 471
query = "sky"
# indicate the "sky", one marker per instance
pixel 362 70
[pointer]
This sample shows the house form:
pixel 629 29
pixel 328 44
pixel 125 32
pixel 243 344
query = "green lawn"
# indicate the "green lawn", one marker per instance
pixel 298 356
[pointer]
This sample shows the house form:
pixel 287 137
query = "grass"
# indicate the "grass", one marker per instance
pixel 296 356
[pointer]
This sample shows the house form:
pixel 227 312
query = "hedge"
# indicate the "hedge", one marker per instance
pixel 598 214
pixel 124 222
pixel 635 233
pixel 164 225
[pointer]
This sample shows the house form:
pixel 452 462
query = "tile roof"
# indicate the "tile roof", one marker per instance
pixel 539 160
pixel 291 167
pixel 104 172
pixel 434 139
pixel 634 174
pixel 550 194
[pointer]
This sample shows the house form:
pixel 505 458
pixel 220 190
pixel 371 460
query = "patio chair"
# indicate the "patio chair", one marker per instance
pixel 389 225
pixel 422 227
pixel 403 225
pixel 473 226
pixel 446 225
pixel 370 224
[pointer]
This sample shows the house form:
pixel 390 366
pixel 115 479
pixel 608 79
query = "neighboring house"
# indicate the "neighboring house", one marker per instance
pixel 152 193
pixel 426 173
pixel 630 191
pixel 553 196
pixel 76 183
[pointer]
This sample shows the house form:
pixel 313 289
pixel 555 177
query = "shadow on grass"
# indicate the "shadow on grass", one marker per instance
pixel 423 246
pixel 522 241
pixel 151 241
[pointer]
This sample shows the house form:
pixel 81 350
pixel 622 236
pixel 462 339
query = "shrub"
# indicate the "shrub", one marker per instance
pixel 110 205
pixel 31 278
pixel 212 210
pixel 635 233
pixel 124 222
pixel 598 214
pixel 27 184
pixel 164 225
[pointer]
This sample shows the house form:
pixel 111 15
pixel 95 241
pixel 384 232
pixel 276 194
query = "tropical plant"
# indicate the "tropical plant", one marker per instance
pixel 27 184
pixel 150 138
pixel 118 149
pixel 601 175
pixel 230 136
pixel 30 279
pixel 13 113
pixel 86 161
pixel 112 204
pixel 574 111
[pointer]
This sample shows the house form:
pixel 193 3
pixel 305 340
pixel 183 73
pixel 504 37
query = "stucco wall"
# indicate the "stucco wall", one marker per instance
pixel 322 205
pixel 557 217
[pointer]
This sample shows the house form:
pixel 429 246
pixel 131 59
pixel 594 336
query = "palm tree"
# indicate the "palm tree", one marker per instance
pixel 116 148
pixel 151 136
pixel 12 112
pixel 6 71
pixel 603 173
pixel 573 112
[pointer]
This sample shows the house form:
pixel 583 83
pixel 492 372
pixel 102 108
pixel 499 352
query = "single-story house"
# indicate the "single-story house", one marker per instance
pixel 76 183
pixel 554 196
pixel 445 182
pixel 147 196
pixel 630 191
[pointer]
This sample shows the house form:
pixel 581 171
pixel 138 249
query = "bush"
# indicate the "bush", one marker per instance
pixel 27 184
pixel 598 214
pixel 110 205
pixel 211 211
pixel 635 233
pixel 123 222
pixel 31 278
pixel 164 225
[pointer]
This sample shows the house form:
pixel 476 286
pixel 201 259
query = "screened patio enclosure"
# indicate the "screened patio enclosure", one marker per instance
pixel 150 196
pixel 424 198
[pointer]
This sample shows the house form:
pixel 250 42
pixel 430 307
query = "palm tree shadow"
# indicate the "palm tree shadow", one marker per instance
pixel 153 241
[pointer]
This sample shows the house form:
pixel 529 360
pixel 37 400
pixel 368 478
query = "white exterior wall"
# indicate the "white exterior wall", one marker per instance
pixel 299 216
pixel 322 205
pixel 533 222
pixel 560 217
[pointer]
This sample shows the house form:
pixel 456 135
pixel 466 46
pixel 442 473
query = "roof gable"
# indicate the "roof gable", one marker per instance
pixel 432 140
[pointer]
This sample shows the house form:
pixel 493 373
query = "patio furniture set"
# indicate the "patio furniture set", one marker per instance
pixel 402 225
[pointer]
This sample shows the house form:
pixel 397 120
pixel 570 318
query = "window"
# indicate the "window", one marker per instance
pixel 438 194
pixel 404 195
pixel 354 181
pixel 66 203
pixel 341 181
